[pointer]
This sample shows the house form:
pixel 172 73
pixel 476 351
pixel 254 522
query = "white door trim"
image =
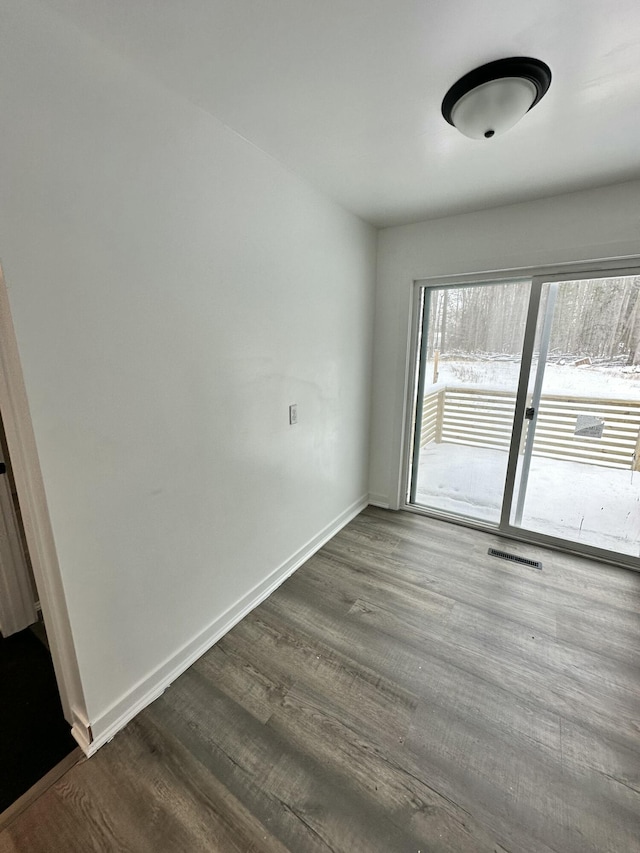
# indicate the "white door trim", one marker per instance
pixel 37 525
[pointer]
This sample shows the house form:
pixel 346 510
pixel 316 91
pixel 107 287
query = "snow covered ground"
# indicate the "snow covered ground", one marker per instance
pixel 588 380
pixel 582 503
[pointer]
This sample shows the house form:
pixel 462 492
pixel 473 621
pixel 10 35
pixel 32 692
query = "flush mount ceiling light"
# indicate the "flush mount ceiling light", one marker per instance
pixel 491 99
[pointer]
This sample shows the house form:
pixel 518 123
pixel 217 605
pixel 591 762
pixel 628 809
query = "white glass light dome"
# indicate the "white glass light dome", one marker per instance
pixel 493 107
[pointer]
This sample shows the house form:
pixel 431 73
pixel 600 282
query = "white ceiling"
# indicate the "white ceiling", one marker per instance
pixel 347 93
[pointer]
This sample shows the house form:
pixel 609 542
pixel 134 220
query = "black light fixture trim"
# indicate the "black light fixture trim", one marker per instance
pixel 535 70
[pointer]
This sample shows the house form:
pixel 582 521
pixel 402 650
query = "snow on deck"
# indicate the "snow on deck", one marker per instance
pixel 589 504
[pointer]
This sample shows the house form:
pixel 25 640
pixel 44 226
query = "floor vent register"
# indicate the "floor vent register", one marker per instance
pixel 514 558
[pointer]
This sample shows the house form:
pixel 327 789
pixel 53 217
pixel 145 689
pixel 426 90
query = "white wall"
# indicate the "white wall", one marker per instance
pixel 173 290
pixel 596 224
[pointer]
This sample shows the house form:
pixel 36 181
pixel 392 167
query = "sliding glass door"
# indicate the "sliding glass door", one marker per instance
pixel 579 474
pixel 471 354
pixel 527 409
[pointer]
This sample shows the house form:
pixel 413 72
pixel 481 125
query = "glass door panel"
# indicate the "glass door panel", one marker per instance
pixel 470 353
pixel 578 475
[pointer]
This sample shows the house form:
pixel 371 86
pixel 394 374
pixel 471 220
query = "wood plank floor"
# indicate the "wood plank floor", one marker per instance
pixel 403 691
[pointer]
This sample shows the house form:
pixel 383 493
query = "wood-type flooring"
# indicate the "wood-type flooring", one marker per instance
pixel 403 692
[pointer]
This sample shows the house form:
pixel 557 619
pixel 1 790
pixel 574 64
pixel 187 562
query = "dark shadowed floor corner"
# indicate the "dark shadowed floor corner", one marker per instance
pixel 34 736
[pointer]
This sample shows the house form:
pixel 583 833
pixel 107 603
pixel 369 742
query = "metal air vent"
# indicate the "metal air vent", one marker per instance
pixel 505 555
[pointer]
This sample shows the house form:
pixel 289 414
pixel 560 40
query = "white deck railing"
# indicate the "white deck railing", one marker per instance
pixel 481 417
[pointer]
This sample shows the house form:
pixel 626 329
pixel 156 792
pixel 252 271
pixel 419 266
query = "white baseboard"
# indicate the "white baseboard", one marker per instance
pixel 379 500
pixel 119 714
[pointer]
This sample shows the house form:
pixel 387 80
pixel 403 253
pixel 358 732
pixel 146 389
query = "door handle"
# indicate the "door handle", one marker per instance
pixel 529 413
